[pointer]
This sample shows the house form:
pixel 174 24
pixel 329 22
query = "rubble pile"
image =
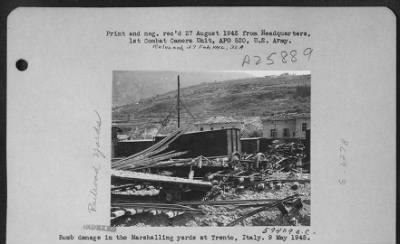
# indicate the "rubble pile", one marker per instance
pixel 266 188
pixel 223 212
pixel 281 156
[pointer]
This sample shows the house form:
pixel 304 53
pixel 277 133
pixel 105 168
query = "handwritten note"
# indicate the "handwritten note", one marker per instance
pixel 98 155
pixel 283 57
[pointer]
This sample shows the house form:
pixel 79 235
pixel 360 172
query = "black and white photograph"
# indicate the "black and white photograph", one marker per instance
pixel 200 125
pixel 211 148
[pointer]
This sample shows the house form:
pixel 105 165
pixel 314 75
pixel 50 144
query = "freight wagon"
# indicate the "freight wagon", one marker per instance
pixel 212 143
pixel 206 143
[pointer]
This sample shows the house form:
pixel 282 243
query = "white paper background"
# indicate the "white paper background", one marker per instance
pixel 50 110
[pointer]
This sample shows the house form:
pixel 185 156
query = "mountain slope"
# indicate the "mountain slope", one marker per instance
pixel 245 99
pixel 131 86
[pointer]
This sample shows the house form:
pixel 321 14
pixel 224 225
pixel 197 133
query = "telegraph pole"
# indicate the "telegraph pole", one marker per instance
pixel 178 104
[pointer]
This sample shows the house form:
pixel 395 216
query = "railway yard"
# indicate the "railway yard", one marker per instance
pixel 159 186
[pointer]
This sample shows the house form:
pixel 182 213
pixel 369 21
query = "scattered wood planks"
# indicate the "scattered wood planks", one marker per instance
pixel 144 177
pixel 150 156
pixel 276 203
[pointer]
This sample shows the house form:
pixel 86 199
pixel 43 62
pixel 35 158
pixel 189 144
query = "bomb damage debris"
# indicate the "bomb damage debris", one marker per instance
pixel 213 176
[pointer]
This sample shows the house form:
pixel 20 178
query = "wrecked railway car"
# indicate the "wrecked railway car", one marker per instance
pixel 259 144
pixel 206 143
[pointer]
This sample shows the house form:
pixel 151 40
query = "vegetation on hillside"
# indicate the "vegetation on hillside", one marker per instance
pixel 245 99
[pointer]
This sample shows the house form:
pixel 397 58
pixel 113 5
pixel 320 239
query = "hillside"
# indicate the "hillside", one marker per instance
pixel 131 86
pixel 247 99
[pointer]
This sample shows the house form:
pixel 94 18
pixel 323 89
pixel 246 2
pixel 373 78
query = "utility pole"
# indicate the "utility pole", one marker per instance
pixel 178 104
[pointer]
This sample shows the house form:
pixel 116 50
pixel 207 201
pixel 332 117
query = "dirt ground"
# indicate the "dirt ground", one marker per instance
pixel 223 215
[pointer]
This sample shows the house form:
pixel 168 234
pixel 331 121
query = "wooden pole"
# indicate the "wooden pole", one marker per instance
pixel 178 104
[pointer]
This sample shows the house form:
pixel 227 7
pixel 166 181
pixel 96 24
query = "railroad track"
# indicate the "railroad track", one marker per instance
pixel 120 207
pixel 226 202
pixel 161 206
